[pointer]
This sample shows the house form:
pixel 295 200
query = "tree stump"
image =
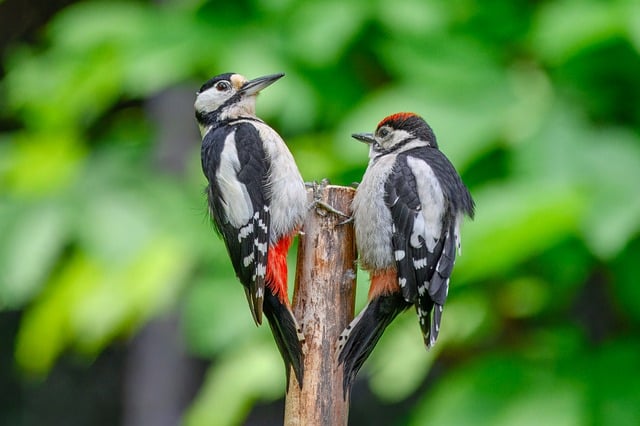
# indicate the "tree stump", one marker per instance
pixel 323 302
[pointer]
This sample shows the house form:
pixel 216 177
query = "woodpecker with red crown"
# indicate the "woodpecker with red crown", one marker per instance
pixel 257 200
pixel 407 215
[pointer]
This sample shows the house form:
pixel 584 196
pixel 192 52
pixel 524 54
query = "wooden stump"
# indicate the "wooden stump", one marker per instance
pixel 323 302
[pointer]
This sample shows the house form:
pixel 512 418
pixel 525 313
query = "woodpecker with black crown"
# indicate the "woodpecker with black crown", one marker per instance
pixel 257 200
pixel 407 215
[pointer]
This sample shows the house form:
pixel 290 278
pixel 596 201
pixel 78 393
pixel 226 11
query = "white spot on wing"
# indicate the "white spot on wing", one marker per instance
pixel 459 218
pixel 420 263
pixel 422 288
pixel 261 270
pixel 262 247
pixel 399 255
pixel 245 231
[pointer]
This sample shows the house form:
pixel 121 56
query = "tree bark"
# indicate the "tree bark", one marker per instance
pixel 323 302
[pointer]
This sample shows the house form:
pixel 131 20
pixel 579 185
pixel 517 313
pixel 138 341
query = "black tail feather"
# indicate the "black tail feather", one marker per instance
pixel 286 333
pixel 360 337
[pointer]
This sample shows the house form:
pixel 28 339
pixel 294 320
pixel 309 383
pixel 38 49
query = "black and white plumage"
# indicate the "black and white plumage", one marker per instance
pixel 407 213
pixel 257 200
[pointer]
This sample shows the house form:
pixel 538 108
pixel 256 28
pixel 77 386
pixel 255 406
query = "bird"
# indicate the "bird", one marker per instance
pixel 256 198
pixel 407 213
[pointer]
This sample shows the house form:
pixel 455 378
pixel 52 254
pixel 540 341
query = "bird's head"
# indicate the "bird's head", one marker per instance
pixel 228 96
pixel 398 132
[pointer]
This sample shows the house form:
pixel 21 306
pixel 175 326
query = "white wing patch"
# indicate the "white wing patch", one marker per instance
pixel 432 203
pixel 236 202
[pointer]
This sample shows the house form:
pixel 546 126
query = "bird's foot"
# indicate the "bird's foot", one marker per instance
pixel 323 208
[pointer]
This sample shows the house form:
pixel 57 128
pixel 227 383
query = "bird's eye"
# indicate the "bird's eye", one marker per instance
pixel 383 132
pixel 222 86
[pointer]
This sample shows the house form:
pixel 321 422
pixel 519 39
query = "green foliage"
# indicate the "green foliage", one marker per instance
pixel 537 104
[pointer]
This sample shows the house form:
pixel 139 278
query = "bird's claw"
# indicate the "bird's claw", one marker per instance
pixel 323 208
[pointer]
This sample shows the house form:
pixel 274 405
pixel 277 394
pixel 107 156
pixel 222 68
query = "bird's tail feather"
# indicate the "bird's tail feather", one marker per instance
pixel 286 333
pixel 357 341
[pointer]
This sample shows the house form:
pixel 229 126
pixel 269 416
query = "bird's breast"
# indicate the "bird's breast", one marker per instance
pixel 373 224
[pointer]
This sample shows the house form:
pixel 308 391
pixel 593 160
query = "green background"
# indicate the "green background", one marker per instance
pixel 112 279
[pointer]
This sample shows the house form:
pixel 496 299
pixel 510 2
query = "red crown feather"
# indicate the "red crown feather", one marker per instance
pixel 395 120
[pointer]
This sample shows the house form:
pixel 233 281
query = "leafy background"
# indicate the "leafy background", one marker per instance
pixel 117 302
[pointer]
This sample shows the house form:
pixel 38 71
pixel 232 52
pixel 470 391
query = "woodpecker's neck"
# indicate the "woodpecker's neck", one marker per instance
pixel 206 128
pixel 243 107
pixel 234 109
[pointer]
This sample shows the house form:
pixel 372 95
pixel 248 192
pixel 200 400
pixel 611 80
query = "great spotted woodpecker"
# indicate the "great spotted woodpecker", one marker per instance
pixel 257 200
pixel 407 214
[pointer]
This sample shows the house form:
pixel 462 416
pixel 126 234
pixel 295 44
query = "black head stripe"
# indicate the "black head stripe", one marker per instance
pixel 214 80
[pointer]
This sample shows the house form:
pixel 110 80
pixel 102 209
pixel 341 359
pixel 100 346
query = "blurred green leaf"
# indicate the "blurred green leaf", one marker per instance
pixel 46 328
pixel 412 18
pixel 43 162
pixel 229 391
pixel 29 249
pixel 209 304
pixel 569 151
pixel 523 297
pixel 564 28
pixel 611 397
pixel 502 390
pixel 514 222
pixel 323 41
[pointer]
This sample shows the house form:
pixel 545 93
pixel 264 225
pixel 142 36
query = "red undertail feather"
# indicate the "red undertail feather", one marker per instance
pixel 286 331
pixel 277 268
pixel 383 283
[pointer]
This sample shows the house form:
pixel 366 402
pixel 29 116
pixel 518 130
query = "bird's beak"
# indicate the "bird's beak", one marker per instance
pixel 364 137
pixel 252 87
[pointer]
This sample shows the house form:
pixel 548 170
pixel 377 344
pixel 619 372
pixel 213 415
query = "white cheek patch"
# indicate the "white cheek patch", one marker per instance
pixel 398 136
pixel 209 100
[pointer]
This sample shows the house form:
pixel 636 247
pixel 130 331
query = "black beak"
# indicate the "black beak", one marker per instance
pixel 364 137
pixel 252 87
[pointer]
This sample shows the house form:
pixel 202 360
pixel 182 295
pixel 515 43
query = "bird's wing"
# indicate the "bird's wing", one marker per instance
pixel 239 201
pixel 419 212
